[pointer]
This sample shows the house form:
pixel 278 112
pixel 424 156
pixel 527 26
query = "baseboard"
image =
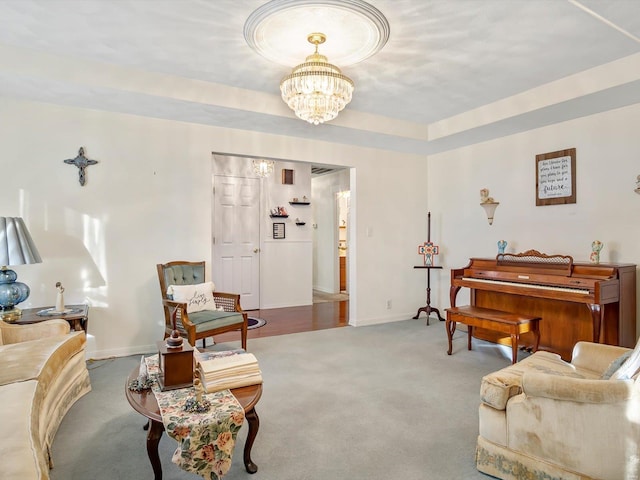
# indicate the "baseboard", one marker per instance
pixel 359 322
pixel 122 352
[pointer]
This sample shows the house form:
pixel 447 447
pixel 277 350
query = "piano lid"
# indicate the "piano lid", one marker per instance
pixel 535 267
pixel 536 274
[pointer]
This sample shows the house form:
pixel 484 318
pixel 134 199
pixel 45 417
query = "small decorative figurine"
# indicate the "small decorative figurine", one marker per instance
pixel 143 373
pixel 596 246
pixel 502 244
pixel 197 404
pixel 59 298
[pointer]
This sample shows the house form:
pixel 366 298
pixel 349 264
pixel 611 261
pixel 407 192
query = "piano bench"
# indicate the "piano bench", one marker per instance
pixel 509 323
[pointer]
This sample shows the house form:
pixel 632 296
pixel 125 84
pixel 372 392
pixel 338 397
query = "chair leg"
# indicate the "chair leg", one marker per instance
pixel 244 337
pixel 204 343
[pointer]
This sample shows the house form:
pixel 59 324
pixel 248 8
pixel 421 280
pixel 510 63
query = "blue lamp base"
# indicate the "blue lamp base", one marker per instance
pixel 11 294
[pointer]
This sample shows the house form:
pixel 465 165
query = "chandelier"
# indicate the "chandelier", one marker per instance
pixel 316 90
pixel 263 168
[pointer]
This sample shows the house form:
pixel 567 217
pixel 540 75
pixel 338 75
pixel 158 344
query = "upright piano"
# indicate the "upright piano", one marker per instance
pixel 576 301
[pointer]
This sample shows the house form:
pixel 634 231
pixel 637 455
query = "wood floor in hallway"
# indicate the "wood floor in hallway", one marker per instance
pixel 281 321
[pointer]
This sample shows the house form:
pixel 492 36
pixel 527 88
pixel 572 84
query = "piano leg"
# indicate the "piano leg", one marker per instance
pixel 536 336
pixel 597 314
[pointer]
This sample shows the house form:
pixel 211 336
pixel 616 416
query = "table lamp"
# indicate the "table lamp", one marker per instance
pixel 16 248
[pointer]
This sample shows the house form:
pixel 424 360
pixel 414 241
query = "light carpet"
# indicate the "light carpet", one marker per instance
pixel 323 297
pixel 376 402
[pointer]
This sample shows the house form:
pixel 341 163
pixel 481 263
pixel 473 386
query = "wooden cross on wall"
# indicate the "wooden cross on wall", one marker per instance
pixel 82 163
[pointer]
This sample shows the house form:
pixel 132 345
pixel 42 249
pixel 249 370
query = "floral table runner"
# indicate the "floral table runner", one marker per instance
pixel 206 440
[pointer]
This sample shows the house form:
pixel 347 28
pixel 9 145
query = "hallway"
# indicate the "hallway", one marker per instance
pixel 282 321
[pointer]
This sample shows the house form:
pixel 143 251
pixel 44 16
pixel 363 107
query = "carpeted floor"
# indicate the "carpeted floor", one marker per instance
pixel 377 402
pixel 322 297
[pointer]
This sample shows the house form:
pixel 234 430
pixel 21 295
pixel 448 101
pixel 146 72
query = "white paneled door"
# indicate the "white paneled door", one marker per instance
pixel 236 248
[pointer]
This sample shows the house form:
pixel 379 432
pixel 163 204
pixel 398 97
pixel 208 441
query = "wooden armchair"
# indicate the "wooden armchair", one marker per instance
pixel 200 324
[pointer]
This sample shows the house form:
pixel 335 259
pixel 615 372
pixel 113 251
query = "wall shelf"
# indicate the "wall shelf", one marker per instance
pixel 299 203
pixel 279 216
pixel 301 223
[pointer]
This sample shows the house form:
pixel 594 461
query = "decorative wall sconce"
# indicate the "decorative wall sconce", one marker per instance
pixel 488 203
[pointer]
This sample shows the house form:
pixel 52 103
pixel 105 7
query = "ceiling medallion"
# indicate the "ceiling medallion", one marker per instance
pixel 355 30
pixel 316 90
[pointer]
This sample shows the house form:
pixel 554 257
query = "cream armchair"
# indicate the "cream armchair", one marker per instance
pixel 544 418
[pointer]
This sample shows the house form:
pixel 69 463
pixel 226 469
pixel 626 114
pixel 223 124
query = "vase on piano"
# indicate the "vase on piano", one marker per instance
pixel 596 246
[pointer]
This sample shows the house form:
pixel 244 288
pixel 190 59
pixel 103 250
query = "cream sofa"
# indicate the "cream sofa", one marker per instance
pixel 42 374
pixel 544 418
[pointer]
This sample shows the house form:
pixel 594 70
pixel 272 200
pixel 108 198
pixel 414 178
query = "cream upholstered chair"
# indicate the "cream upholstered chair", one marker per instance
pixel 200 311
pixel 544 418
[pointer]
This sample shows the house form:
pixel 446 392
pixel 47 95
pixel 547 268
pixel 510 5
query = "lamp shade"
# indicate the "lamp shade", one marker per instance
pixel 16 244
pixel 490 208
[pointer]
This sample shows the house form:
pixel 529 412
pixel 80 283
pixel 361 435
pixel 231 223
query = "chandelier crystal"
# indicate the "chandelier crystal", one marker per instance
pixel 263 168
pixel 316 90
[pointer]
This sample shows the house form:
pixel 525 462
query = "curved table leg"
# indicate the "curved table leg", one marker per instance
pixel 450 327
pixel 254 424
pixel 153 439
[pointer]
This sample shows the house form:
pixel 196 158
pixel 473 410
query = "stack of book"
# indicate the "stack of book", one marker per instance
pixel 228 369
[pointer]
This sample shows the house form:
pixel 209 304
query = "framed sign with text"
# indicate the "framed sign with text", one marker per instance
pixel 278 231
pixel 556 177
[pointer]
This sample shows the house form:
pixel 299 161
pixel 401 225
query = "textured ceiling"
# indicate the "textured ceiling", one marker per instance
pixel 188 60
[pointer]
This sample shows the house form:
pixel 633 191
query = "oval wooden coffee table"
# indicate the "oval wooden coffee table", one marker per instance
pixel 145 403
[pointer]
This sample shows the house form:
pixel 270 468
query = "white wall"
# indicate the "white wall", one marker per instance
pixel 607 208
pixel 149 201
pixel 325 248
pixel 288 260
pixel 286 264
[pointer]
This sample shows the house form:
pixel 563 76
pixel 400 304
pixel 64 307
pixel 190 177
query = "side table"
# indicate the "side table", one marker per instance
pixel 78 317
pixel 146 404
pixel 428 308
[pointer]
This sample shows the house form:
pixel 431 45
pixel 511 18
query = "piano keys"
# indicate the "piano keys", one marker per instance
pixel 576 301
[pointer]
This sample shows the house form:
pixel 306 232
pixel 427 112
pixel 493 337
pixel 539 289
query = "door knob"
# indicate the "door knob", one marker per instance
pixel 256 250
